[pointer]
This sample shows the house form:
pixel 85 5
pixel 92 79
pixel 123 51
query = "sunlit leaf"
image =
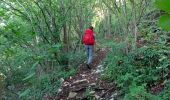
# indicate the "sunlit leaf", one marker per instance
pixel 24 93
pixel 163 5
pixel 34 65
pixel 29 76
pixel 164 22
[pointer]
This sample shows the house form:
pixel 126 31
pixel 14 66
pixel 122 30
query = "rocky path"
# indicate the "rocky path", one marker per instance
pixel 86 84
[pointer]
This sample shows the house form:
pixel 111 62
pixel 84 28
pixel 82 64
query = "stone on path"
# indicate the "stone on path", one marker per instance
pixel 72 94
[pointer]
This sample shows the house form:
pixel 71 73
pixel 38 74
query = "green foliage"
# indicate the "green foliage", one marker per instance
pixel 46 84
pixel 32 54
pixel 165 95
pixel 77 58
pixel 88 95
pixel 139 93
pixel 2 85
pixel 24 93
pixel 163 5
pixel 164 21
pixel 29 76
pixel 146 65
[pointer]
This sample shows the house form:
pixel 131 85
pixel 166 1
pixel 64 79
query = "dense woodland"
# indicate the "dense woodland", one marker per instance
pixel 40 46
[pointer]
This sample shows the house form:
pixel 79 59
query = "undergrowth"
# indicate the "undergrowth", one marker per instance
pixel 49 83
pixel 139 70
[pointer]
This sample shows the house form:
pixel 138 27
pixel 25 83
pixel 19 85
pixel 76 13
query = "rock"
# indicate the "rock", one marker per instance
pixel 93 84
pixel 79 87
pixel 72 94
pixel 98 71
pixel 103 49
pixel 115 94
pixel 97 97
pixel 70 77
pixel 96 79
pixel 83 75
pixel 80 81
pixel 103 91
pixel 100 66
pixel 66 84
pixel 59 90
pixel 88 81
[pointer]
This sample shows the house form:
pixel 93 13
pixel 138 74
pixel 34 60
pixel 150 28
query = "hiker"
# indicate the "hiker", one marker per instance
pixel 88 39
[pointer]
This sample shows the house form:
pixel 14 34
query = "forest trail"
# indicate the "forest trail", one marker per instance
pixel 86 84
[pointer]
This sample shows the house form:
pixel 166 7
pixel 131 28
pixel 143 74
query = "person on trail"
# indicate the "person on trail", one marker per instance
pixel 88 39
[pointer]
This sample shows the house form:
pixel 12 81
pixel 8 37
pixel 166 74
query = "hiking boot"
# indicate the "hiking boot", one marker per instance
pixel 88 66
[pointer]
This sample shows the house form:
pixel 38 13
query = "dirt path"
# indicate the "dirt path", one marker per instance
pixel 86 83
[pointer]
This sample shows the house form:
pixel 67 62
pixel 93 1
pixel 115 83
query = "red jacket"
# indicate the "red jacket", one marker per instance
pixel 88 37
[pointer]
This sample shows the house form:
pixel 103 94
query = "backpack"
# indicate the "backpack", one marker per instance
pixel 88 38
